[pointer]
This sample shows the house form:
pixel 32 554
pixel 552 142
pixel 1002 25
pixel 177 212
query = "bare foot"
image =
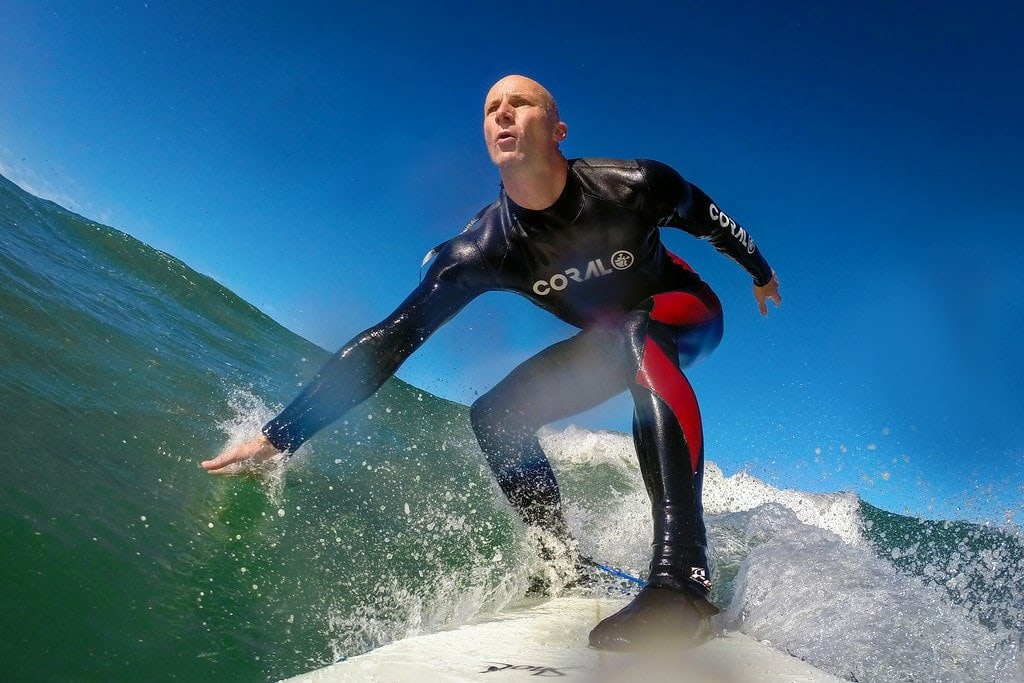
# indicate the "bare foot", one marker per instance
pixel 257 450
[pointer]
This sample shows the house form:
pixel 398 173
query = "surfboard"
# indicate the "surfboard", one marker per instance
pixel 549 640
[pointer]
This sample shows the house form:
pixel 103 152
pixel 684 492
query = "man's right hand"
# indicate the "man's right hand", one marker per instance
pixel 257 450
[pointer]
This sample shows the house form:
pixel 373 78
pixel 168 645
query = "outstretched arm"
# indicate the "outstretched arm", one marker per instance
pixel 355 372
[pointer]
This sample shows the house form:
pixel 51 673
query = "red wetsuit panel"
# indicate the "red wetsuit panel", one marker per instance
pixel 662 375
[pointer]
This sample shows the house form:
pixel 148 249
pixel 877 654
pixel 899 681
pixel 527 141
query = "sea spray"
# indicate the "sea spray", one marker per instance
pixel 847 611
pixel 976 566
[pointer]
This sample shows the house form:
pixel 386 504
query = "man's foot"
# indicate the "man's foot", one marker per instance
pixel 560 566
pixel 658 617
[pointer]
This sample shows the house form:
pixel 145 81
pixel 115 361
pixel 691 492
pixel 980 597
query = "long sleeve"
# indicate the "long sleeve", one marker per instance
pixel 356 371
pixel 680 204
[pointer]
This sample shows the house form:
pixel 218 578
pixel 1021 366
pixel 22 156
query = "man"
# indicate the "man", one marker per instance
pixel 580 239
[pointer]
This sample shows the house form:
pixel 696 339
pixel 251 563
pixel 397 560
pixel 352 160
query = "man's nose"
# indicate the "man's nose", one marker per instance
pixel 506 112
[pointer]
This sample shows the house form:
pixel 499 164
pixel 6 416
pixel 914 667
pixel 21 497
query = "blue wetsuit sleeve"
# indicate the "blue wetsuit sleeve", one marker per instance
pixel 359 368
pixel 680 204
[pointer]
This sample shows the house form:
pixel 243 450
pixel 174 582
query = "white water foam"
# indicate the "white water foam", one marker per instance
pixel 805 579
pixel 849 612
pixel 627 522
pixel 837 513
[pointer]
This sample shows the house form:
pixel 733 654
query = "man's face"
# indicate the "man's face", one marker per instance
pixel 520 122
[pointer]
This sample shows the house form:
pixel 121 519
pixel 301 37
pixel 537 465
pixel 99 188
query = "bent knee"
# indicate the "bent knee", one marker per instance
pixel 697 343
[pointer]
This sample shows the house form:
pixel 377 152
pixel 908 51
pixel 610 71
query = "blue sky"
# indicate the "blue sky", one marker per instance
pixel 307 156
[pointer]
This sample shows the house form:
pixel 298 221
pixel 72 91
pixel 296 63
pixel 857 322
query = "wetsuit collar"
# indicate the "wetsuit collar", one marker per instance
pixel 566 207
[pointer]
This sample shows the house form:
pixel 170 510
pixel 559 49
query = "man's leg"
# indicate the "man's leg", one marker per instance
pixel 668 332
pixel 563 380
pixel 667 429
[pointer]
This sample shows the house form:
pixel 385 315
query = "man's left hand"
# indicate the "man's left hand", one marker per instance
pixel 769 291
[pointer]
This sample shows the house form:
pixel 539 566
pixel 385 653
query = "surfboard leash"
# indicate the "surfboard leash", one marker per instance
pixel 618 573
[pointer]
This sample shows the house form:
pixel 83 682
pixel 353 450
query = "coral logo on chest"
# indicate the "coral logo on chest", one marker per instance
pixel 620 260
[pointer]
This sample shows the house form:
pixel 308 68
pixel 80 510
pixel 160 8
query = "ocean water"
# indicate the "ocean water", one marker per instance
pixel 121 368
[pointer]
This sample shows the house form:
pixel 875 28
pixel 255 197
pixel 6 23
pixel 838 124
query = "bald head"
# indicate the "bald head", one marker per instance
pixel 521 85
pixel 522 133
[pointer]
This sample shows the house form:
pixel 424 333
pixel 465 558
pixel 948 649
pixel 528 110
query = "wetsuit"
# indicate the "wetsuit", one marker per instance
pixel 595 260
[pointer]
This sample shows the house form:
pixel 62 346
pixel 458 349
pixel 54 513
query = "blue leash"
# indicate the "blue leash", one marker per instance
pixel 615 572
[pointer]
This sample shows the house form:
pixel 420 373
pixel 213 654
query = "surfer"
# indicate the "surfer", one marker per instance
pixel 579 238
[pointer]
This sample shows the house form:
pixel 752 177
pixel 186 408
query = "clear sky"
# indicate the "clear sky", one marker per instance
pixel 307 155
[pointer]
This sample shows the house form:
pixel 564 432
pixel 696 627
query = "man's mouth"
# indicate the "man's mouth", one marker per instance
pixel 504 135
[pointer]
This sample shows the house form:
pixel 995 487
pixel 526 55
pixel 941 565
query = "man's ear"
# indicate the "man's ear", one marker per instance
pixel 561 130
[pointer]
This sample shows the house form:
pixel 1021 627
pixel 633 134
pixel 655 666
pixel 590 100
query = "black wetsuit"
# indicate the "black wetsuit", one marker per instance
pixel 595 260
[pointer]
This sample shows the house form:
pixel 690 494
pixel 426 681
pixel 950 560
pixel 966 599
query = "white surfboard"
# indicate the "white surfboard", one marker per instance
pixel 549 640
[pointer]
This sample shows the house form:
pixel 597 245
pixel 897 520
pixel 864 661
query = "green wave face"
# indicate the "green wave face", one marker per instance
pixel 120 369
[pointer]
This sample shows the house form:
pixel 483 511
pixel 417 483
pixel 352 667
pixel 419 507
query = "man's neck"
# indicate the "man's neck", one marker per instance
pixel 533 188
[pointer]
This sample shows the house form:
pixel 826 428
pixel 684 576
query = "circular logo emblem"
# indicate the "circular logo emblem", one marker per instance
pixel 622 260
